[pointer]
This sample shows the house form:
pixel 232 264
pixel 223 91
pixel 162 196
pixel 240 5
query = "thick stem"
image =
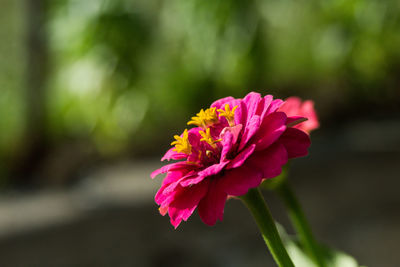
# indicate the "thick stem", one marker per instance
pixel 257 206
pixel 300 223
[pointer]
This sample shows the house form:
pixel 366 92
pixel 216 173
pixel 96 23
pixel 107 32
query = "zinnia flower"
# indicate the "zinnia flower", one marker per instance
pixel 235 145
pixel 293 106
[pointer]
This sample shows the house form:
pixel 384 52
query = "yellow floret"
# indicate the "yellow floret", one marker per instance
pixel 205 118
pixel 208 138
pixel 228 114
pixel 182 144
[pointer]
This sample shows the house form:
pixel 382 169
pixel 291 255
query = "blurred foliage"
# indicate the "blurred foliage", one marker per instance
pixel 129 73
pixel 11 77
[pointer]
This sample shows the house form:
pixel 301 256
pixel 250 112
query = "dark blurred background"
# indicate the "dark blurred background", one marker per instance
pixel 93 91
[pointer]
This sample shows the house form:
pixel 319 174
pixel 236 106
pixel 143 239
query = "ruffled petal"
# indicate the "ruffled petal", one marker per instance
pixel 252 127
pixel 211 207
pixel 220 103
pixel 308 111
pixel 263 110
pixel 166 193
pixel 175 175
pixel 275 105
pixel 185 202
pixel 172 167
pixel 294 107
pixel 241 157
pixel 270 130
pixel 163 210
pixel 163 199
pixel 227 143
pixel 188 181
pixel 269 161
pixel 234 130
pixel 213 169
pixel 296 142
pixel 241 113
pixel 229 136
pixel 291 106
pixel 236 182
pixel 171 154
pixel 252 101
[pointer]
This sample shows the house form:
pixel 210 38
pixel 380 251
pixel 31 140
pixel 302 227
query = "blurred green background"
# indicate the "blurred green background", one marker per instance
pixel 88 82
pixel 92 92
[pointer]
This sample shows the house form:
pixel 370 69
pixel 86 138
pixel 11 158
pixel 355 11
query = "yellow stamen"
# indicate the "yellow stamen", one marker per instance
pixel 208 138
pixel 228 114
pixel 182 144
pixel 205 118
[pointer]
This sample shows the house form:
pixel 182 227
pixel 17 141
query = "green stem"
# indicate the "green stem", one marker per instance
pixel 300 223
pixel 257 206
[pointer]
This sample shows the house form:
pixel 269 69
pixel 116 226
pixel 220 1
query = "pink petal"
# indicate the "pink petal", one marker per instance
pixel 308 111
pixel 211 207
pixel 213 169
pixel 256 105
pixel 172 186
pixel 227 144
pixel 241 157
pixel 220 103
pixel 163 210
pixel 185 202
pixel 163 199
pixel 291 106
pixel 269 161
pixel 252 127
pixel 296 142
pixel 171 154
pixel 267 102
pixel 294 107
pixel 241 113
pixel 275 105
pixel 252 100
pixel 235 131
pixel 166 193
pixel 237 182
pixel 195 179
pixel 229 136
pixel 270 130
pixel 194 136
pixel 182 165
pixel 174 176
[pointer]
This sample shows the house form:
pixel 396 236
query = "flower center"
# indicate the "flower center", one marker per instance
pixel 206 119
pixel 208 138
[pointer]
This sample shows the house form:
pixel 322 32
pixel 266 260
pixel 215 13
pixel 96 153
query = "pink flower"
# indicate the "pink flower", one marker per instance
pixel 294 107
pixel 235 145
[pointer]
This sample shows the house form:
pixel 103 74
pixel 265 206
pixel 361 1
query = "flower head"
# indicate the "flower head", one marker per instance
pixel 237 143
pixel 293 107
